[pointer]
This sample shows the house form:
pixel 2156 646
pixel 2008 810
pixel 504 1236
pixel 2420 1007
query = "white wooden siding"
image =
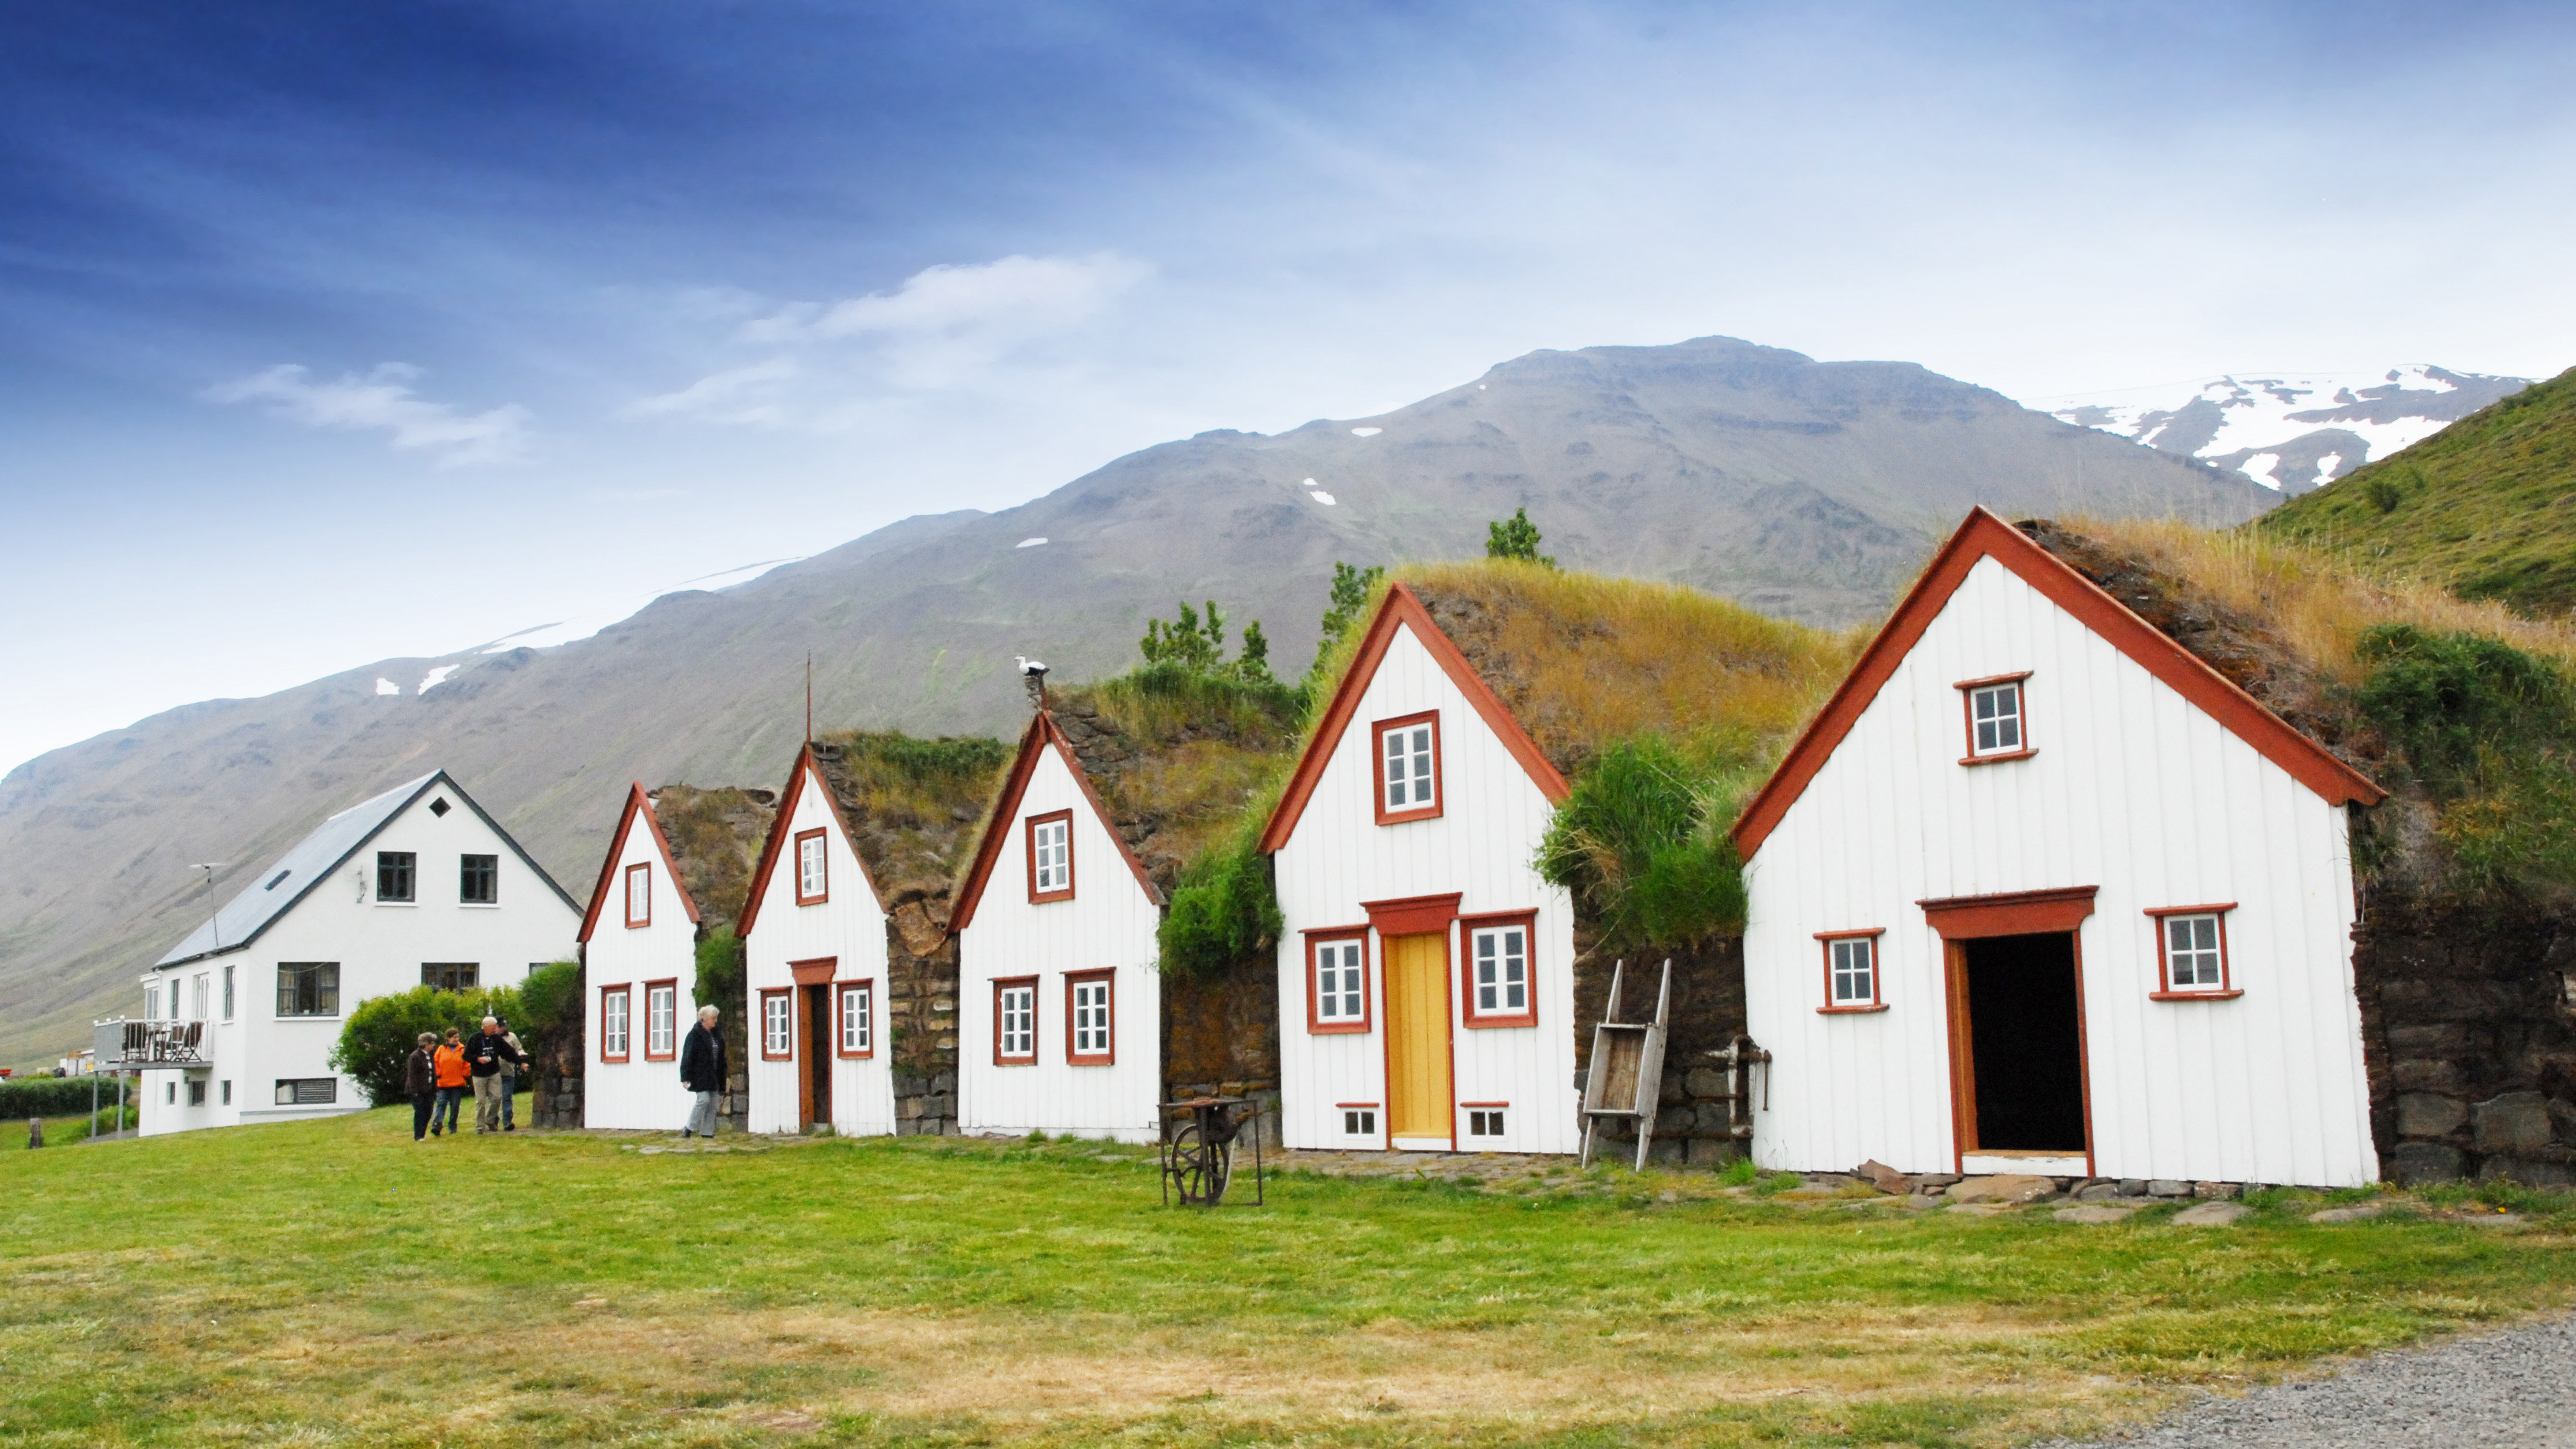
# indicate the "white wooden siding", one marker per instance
pixel 849 925
pixel 1481 846
pixel 637 1093
pixel 1108 925
pixel 380 946
pixel 2133 790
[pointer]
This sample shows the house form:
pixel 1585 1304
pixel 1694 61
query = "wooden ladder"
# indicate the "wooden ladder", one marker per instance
pixel 1626 1079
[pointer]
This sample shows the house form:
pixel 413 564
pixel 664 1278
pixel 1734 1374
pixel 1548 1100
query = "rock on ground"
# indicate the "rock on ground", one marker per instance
pixel 2511 1390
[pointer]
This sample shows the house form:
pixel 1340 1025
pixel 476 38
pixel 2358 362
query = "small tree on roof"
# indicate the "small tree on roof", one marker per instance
pixel 1516 537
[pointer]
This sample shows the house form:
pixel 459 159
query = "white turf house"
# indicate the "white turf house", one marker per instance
pixel 417 885
pixel 639 942
pixel 814 965
pixel 1426 972
pixel 2041 891
pixel 1060 1000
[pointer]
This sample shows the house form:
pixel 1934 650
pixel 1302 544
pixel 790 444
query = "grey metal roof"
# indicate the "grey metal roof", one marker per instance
pixel 315 859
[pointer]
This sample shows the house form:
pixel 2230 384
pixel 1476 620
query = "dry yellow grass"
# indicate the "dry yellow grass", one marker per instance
pixel 2317 603
pixel 1584 660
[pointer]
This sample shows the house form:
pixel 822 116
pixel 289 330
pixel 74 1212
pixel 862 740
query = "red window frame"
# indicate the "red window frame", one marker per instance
pixel 1467 928
pixel 2226 989
pixel 1315 1024
pixel 822 863
pixel 628 993
pixel 1090 1059
pixel 866 990
pixel 634 922
pixel 1968 716
pixel 1377 769
pixel 788 995
pixel 1877 972
pixel 1029 843
pixel 1014 983
pixel 671 985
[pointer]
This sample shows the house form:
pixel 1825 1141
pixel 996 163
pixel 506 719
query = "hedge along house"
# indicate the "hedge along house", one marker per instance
pixel 1057 961
pixel 2042 890
pixel 660 894
pixel 1436 991
pixel 416 886
pixel 849 976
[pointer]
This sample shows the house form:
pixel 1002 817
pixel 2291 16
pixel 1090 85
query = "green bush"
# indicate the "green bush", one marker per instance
pixel 25 1097
pixel 720 975
pixel 550 1008
pixel 379 1035
pixel 2487 729
pixel 1224 910
pixel 1642 843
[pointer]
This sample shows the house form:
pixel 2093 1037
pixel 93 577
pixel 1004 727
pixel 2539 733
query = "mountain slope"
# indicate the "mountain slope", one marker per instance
pixel 2293 432
pixel 1809 490
pixel 2486 507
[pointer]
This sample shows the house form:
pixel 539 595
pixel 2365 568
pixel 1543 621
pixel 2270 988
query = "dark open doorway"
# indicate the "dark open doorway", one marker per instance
pixel 2025 1026
pixel 817 1003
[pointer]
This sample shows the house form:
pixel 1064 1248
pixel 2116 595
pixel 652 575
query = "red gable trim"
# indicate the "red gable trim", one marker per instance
pixel 1043 732
pixel 1402 609
pixel 781 832
pixel 1986 536
pixel 637 803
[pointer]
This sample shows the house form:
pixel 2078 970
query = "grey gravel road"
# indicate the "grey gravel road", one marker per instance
pixel 2510 1390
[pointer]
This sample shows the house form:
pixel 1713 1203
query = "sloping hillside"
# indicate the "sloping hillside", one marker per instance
pixel 2486 507
pixel 1807 489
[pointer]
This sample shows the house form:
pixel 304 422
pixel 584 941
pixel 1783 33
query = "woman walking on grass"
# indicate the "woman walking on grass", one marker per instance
pixel 420 1079
pixel 453 1074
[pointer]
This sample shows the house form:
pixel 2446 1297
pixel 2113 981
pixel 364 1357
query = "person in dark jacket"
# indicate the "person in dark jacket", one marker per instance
pixel 702 1070
pixel 420 1079
pixel 485 1052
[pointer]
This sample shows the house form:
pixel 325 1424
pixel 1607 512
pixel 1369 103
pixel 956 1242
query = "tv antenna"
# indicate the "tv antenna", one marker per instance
pixel 210 867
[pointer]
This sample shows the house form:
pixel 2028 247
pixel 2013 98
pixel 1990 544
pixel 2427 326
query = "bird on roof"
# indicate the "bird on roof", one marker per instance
pixel 1030 666
pixel 1033 674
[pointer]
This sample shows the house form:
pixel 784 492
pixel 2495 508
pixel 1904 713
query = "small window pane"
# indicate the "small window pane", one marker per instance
pixel 1340 982
pixel 1018 1025
pixel 478 879
pixel 612 1023
pixel 810 867
pixel 777 1039
pixel 394 874
pixel 855 1025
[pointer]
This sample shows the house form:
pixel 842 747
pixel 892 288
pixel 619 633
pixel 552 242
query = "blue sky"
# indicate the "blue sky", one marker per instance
pixel 331 332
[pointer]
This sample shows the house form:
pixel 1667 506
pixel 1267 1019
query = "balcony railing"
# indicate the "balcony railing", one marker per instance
pixel 129 1045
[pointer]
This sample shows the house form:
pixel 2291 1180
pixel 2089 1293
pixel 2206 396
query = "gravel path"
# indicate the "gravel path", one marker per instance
pixel 2516 1389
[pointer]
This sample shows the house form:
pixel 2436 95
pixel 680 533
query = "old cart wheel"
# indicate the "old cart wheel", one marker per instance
pixel 1200 1167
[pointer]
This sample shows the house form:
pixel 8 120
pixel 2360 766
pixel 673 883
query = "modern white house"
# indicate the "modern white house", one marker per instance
pixel 1060 1020
pixel 1426 973
pixel 415 886
pixel 639 957
pixel 2042 891
pixel 814 934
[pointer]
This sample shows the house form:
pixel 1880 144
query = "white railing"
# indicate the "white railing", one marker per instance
pixel 150 1044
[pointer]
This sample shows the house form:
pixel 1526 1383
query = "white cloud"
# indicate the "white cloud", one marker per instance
pixel 1016 296
pixel 947 330
pixel 383 399
pixel 745 395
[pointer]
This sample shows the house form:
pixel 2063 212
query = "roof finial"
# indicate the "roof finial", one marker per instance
pixel 809 696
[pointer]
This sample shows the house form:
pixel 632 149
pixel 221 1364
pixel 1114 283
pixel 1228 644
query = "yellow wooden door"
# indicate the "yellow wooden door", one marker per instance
pixel 1417 1036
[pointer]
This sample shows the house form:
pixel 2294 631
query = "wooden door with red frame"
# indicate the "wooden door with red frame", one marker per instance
pixel 814 1045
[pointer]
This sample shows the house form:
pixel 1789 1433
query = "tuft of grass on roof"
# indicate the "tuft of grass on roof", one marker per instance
pixel 2486 507
pixel 1585 660
pixel 2318 601
pixel 920 797
pixel 715 837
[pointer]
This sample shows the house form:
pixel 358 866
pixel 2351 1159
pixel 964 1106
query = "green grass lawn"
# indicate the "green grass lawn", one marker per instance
pixel 333 1282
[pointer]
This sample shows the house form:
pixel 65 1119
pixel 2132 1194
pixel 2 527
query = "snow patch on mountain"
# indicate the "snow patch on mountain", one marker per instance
pixel 2291 431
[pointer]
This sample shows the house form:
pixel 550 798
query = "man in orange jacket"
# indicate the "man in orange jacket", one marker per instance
pixel 454 1074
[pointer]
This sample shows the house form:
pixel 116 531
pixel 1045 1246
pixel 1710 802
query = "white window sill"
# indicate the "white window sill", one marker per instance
pixel 335 1016
pixel 405 905
pixel 478 905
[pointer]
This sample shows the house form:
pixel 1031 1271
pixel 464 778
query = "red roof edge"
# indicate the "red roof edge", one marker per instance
pixel 1402 608
pixel 1985 535
pixel 781 826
